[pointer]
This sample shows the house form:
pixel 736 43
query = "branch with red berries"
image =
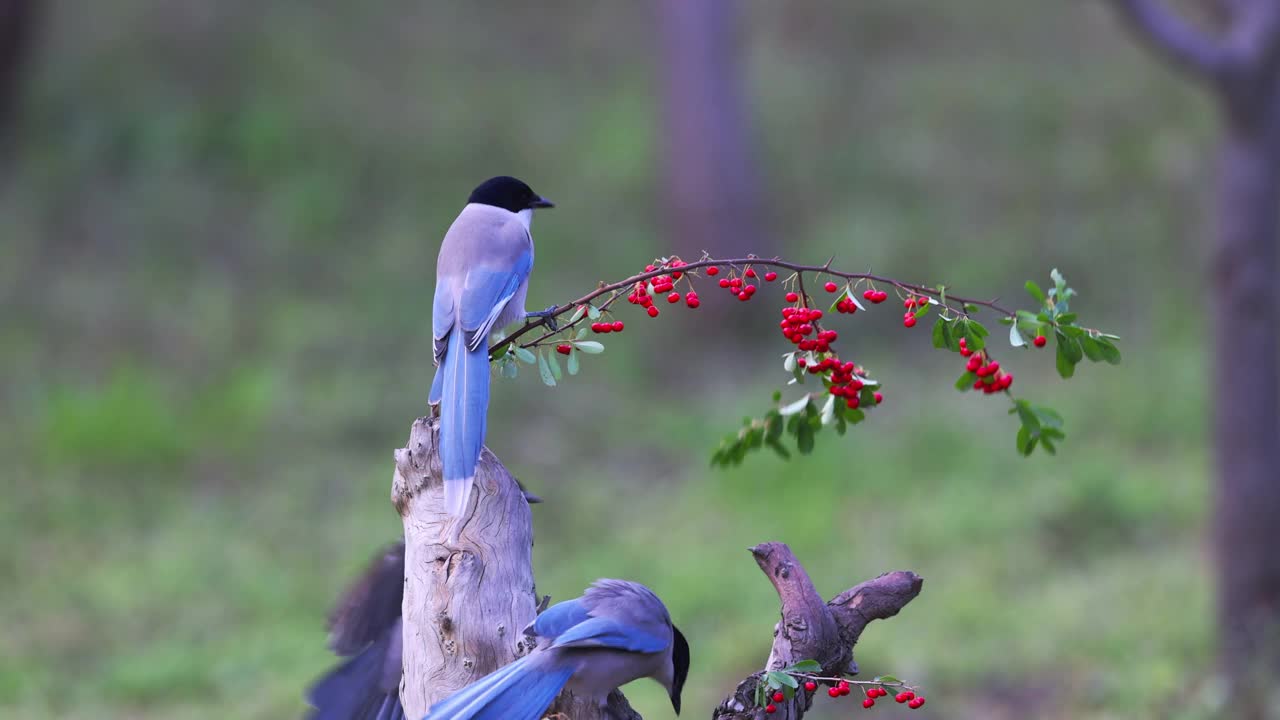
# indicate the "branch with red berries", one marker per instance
pixel 813 642
pixel 844 391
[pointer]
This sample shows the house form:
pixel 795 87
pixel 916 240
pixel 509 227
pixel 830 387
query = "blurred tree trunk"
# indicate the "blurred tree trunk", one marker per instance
pixel 710 188
pixel 1242 68
pixel 17 25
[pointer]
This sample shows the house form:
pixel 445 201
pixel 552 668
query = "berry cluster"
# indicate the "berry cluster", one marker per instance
pixel 607 327
pixel 847 306
pixel 875 296
pixel 843 688
pixel 990 378
pixel 660 284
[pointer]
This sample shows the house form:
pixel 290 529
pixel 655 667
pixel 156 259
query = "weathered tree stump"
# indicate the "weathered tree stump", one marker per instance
pixel 812 629
pixel 469 590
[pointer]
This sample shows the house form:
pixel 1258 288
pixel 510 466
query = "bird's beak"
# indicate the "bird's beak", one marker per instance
pixel 542 202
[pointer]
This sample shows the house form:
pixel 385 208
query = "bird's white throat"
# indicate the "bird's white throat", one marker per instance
pixel 526 217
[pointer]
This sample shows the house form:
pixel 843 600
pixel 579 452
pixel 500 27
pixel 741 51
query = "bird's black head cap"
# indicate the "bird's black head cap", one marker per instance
pixel 679 658
pixel 508 193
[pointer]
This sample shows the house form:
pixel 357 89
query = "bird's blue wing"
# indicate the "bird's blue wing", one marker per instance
pixel 442 318
pixel 487 290
pixel 604 632
pixel 559 618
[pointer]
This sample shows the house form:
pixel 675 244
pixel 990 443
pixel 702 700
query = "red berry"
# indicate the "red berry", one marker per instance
pixel 902 697
pixel 673 297
pixel 974 363
pixel 879 398
pixel 830 286
pixel 649 268
pixel 770 276
pixel 843 687
pixel 792 297
pixel 963 342
pixel 750 272
pixel 965 352
pixel 916 703
pixel 713 271
pixel 653 311
pixel 868 703
pixel 779 697
pixel 909 321
pixel 724 282
pixel 880 297
pixel 1040 341
pixel 873 693
pixel 564 349
pixel 833 692
pixel 770 709
pixel 1006 380
pixel 744 296
pixel 750 289
pixel 810 685
pixel 618 326
pixel 693 303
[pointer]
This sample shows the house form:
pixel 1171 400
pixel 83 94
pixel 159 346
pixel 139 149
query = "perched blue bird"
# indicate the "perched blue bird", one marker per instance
pixel 618 631
pixel 481 278
pixel 365 628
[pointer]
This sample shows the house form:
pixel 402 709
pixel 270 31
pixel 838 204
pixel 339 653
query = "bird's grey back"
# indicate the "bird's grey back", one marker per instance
pixel 482 235
pixel 628 602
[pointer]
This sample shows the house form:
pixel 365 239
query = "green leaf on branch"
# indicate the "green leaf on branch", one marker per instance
pixel 966 381
pixel 555 366
pixel 1026 441
pixel 590 347
pixel 974 334
pixel 509 367
pixel 804 666
pixel 1066 368
pixel 804 438
pixel 524 355
pixel 1035 291
pixel 795 407
pixel 572 363
pixel 779 679
pixel 1015 337
pixel 1110 353
pixel 1092 348
pixel 593 312
pixel 544 371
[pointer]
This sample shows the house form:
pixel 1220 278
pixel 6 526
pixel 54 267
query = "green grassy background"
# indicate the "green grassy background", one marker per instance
pixel 216 247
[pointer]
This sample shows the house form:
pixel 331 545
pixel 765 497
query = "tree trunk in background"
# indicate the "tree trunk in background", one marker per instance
pixel 17 25
pixel 710 189
pixel 1245 387
pixel 1241 66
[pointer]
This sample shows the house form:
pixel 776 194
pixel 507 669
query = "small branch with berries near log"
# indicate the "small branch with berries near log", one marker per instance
pixel 844 392
pixel 813 642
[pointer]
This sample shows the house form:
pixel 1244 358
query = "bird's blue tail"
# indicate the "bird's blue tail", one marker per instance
pixel 464 405
pixel 522 690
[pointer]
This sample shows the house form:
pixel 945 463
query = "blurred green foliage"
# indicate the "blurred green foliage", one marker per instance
pixel 216 246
